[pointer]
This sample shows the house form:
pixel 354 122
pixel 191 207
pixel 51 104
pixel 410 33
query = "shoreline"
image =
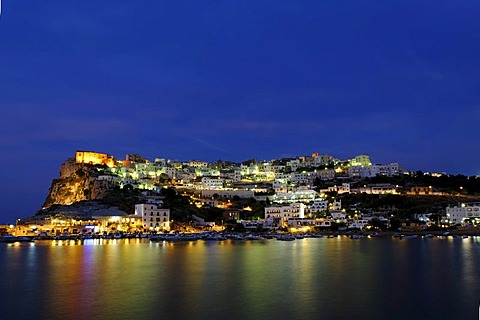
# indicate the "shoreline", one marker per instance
pixel 248 236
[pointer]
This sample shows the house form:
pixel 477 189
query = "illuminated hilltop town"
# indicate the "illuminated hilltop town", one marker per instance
pixel 296 194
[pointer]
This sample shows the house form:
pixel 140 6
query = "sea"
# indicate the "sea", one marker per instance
pixel 311 278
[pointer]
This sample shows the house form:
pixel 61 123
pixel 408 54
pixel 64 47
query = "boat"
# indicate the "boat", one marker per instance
pixel 234 236
pixel 357 236
pixel 213 237
pixel 253 237
pixel 11 239
pixel 286 237
pixel 156 237
pixel 411 236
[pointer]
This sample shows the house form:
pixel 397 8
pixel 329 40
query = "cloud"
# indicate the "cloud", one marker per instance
pixel 212 146
pixel 37 127
pixel 255 126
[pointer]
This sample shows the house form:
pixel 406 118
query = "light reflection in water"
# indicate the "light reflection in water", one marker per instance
pixel 335 278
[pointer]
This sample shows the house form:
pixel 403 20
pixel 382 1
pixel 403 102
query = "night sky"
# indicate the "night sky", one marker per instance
pixel 235 80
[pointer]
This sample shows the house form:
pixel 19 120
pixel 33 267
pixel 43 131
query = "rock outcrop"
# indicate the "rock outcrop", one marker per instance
pixel 77 182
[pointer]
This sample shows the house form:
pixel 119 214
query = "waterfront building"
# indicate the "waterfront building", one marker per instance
pixel 306 224
pixel 154 217
pixel 55 225
pixel 110 224
pixel 277 216
pixel 463 211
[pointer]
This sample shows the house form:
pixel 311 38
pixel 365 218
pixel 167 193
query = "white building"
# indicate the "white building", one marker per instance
pixel 338 216
pixel 388 170
pixel 303 178
pixel 154 217
pixel 277 216
pixel 361 160
pixel 304 196
pixel 463 211
pixel 207 172
pixel 212 183
pixel 326 174
pixel 279 187
pixel 322 159
pixel 169 171
pixel 197 164
pixel 317 206
pixel 378 189
pixel 293 164
pixel 237 175
pixel 336 205
pixel 285 177
pixel 358 224
pixel 344 188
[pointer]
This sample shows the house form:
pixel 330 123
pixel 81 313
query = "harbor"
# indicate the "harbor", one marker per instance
pixel 328 278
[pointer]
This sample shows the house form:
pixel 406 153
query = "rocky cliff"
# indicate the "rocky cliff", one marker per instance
pixel 77 182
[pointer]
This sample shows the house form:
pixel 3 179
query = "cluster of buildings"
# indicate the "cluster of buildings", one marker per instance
pixel 304 217
pixel 287 185
pixel 148 217
pixel 227 179
pixel 301 171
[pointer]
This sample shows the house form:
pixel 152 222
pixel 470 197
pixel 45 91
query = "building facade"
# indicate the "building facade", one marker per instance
pixel 463 211
pixel 154 217
pixel 277 216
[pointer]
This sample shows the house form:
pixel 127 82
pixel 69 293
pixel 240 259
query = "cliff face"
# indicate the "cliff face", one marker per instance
pixel 77 182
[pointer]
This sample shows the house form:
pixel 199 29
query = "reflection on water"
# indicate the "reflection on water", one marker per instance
pixel 324 278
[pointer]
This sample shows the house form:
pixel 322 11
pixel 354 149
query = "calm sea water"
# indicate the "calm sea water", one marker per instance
pixel 304 279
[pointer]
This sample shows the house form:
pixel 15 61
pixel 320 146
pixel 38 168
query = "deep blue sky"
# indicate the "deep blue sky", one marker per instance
pixel 235 80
